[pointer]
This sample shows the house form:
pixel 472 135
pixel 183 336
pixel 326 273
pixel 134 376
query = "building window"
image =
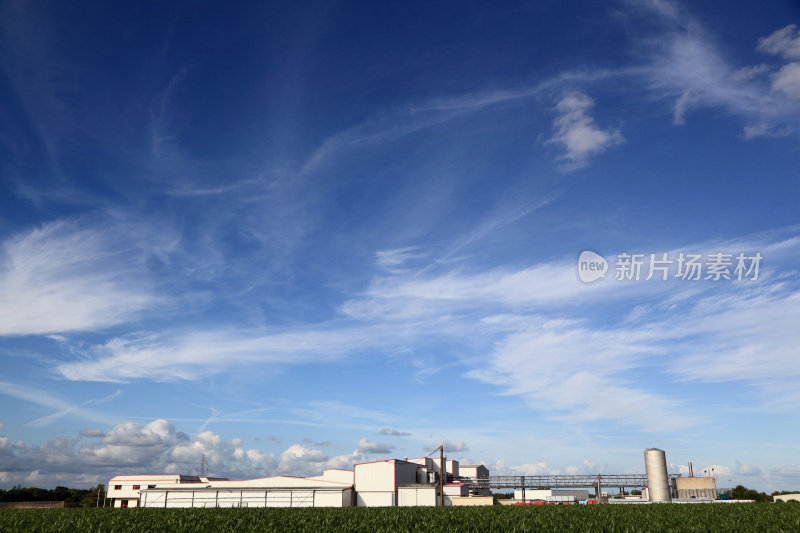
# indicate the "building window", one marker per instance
pixel 136 487
pixel 151 486
pixel 117 487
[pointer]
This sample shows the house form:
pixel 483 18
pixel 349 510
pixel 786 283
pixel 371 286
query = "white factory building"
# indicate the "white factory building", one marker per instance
pixel 551 495
pixel 124 491
pixel 385 483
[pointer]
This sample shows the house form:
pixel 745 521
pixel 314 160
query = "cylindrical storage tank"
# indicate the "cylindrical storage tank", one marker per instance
pixel 655 465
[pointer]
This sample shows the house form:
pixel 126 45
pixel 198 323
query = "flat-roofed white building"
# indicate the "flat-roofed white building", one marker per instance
pixel 338 475
pixel 432 464
pixel 451 467
pixel 124 491
pixel 376 482
pixel 332 489
pixel 476 472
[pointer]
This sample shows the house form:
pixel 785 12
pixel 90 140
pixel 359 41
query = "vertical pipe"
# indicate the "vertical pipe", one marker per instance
pixel 599 495
pixel 442 474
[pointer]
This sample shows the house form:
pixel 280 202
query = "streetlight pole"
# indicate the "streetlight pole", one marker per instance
pixel 442 474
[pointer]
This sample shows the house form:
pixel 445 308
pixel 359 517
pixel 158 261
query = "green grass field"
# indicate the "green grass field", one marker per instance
pixel 718 517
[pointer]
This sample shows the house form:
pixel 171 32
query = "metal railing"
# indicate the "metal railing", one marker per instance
pixel 557 481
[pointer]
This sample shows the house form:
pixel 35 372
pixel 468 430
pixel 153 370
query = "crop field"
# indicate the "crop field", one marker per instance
pixel 730 517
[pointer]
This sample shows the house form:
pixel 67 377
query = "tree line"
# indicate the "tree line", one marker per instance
pixel 740 492
pixel 71 497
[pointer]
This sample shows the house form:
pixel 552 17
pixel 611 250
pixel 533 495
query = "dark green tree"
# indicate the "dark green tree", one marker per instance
pixel 740 492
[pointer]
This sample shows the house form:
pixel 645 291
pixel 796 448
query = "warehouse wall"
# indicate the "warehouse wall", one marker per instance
pixel 375 499
pixel 213 497
pixel 416 496
pixel 696 487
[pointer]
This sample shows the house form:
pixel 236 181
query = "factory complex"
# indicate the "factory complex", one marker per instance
pixel 386 483
pixel 423 481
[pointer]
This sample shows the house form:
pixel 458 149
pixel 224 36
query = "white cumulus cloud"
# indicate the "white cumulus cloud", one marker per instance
pixel 365 446
pixel 449 446
pixel 159 447
pixel 576 131
pixel 784 42
pixel 393 432
pixel 787 80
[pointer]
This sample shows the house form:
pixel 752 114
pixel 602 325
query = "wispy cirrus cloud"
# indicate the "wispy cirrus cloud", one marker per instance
pixel 579 369
pixel 49 419
pixel 490 292
pixel 418 116
pixel 189 355
pixel 61 406
pixel 747 336
pixel 545 351
pixel 685 65
pixel 70 276
pixel 395 260
pixel 688 66
pixel 524 331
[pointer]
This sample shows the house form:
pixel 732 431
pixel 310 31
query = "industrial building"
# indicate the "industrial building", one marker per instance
pixel 479 473
pixel 422 481
pixel 385 483
pixel 551 495
pixel 701 488
pixel 123 491
pixel 332 489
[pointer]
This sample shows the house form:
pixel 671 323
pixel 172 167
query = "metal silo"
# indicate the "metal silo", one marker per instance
pixel 655 464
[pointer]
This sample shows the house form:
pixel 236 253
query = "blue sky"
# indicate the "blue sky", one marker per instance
pixel 294 237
